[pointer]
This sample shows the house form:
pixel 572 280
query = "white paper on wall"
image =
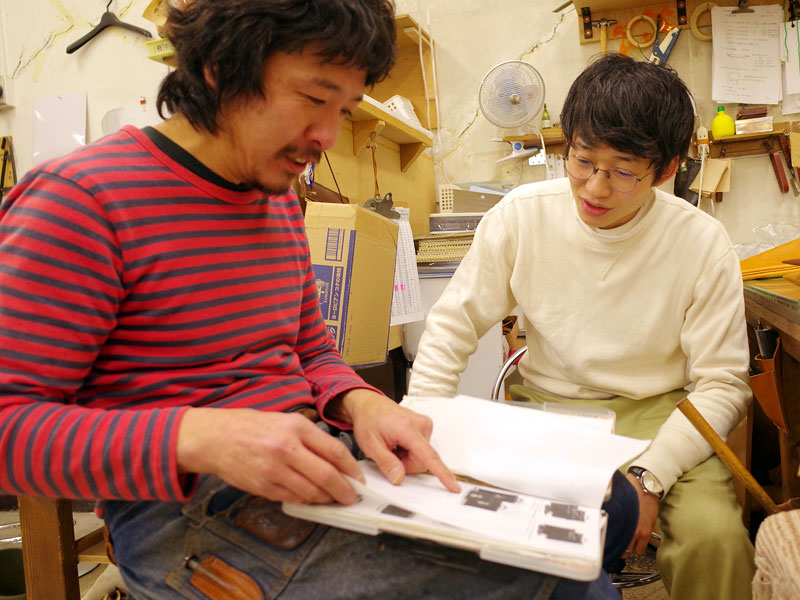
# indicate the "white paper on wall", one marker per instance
pixel 791 63
pixel 59 125
pixel 406 297
pixel 745 57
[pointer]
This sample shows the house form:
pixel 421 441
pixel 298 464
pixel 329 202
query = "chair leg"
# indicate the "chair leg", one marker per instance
pixel 48 549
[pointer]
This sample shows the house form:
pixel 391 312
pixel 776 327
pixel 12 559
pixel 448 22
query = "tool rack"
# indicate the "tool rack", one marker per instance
pixel 673 12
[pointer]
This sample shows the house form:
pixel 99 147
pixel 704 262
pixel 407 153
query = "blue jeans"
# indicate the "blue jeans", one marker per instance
pixel 152 541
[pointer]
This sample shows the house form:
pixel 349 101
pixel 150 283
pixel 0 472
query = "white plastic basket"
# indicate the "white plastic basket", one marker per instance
pixel 446 197
pixel 402 107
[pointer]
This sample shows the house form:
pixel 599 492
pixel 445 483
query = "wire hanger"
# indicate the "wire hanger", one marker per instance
pixel 109 19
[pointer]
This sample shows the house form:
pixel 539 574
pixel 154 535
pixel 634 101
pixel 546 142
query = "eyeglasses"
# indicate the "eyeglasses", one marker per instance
pixel 619 179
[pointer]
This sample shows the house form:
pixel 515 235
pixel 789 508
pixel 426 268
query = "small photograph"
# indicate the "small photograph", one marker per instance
pixel 565 511
pixel 561 533
pixel 396 511
pixel 489 499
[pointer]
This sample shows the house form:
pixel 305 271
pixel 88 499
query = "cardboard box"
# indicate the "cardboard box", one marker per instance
pixel 353 251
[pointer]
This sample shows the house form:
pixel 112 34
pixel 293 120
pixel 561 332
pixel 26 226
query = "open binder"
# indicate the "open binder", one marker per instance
pixel 537 480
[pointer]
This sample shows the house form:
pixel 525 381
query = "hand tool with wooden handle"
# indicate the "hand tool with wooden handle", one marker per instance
pixel 777 167
pixel 787 156
pixel 736 467
pixel 603 24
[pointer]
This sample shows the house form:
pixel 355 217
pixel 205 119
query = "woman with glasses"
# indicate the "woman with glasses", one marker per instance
pixel 632 300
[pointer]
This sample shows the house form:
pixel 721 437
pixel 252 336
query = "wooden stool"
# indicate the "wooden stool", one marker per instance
pixel 50 551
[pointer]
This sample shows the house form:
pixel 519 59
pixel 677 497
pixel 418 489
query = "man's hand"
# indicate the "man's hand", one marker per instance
pixel 648 513
pixel 280 456
pixel 395 437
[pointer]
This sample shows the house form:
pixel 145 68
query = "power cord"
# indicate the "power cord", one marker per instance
pixel 702 153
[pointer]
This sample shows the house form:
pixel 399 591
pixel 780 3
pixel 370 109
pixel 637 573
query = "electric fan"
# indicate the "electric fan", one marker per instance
pixel 511 95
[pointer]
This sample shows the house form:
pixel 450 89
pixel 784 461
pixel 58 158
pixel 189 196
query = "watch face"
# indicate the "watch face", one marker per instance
pixel 651 484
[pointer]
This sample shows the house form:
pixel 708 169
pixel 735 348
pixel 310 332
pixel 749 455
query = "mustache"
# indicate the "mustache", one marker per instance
pixel 309 155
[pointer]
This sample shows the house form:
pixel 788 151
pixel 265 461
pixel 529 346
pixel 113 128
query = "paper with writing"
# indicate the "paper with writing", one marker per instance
pixel 746 58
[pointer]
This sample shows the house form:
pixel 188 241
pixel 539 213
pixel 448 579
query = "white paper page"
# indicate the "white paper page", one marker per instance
pixel 791 102
pixel 59 125
pixel 746 59
pixel 406 297
pixel 526 450
pixel 494 513
pixel 791 65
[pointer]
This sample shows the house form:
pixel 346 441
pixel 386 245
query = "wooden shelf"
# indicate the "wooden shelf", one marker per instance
pixel 554 140
pixel 369 117
pixel 748 144
pixel 407 77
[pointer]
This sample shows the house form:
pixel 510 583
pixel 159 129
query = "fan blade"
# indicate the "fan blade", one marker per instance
pixel 504 114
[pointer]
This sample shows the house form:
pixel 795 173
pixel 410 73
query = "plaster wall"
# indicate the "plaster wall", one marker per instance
pixel 471 36
pixel 112 68
pixel 474 35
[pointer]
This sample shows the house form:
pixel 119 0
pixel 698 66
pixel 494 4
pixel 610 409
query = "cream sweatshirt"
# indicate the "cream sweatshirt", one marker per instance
pixel 646 308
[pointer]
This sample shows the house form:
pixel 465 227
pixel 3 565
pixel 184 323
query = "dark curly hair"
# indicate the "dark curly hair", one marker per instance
pixel 234 38
pixel 633 106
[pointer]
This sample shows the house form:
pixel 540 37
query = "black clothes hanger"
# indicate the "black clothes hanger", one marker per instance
pixel 108 19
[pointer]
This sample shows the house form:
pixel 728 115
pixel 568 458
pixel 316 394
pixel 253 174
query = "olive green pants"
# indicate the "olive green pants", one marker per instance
pixel 705 553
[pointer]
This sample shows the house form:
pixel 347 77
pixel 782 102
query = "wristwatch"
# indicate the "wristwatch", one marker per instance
pixel 649 482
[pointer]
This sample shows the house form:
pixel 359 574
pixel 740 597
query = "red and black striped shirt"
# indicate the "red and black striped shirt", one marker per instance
pixel 132 286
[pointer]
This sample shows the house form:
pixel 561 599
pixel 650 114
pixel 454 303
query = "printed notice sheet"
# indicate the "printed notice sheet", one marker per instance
pixel 406 297
pixel 746 58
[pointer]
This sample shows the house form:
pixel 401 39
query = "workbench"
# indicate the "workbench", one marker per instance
pixel 775 303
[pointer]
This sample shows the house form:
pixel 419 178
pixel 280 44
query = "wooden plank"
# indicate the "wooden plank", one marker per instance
pixel 95 553
pixel 48 549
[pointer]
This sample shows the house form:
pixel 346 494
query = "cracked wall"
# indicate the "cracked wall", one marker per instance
pixel 472 36
pixel 112 68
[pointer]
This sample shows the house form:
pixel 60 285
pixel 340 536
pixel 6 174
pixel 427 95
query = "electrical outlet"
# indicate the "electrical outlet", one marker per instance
pixel 6 93
pixel 537 159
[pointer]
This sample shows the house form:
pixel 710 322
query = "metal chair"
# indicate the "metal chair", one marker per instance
pixel 622 579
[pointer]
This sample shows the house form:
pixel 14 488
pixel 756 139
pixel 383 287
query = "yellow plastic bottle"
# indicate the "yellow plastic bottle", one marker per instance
pixel 722 124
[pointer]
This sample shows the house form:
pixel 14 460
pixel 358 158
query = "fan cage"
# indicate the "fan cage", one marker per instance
pixel 514 79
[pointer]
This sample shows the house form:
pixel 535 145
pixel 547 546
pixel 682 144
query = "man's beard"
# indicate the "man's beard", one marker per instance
pixel 312 156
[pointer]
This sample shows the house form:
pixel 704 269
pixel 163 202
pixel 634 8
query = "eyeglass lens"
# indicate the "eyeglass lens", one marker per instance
pixel 619 179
